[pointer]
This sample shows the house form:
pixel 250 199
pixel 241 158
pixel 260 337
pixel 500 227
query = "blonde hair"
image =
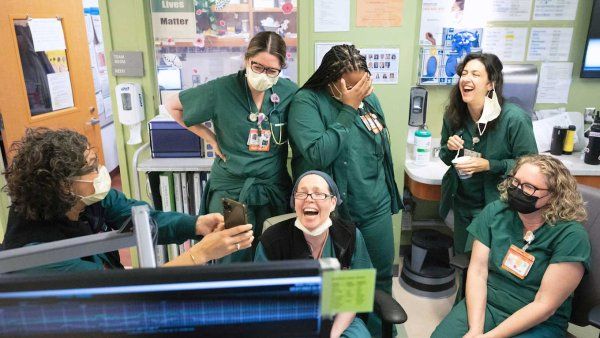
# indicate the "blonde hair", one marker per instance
pixel 565 201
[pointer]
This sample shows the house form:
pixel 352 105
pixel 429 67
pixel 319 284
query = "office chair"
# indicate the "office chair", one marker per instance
pixel 385 306
pixel 586 299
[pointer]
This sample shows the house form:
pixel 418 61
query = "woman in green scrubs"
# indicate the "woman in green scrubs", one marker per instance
pixel 529 254
pixel 249 113
pixel 313 234
pixel 59 191
pixel 337 126
pixel 480 124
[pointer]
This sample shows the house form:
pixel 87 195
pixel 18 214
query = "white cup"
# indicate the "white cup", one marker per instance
pixel 463 175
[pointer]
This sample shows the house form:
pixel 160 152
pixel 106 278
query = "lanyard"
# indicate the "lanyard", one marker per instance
pixel 528 238
pixel 259 118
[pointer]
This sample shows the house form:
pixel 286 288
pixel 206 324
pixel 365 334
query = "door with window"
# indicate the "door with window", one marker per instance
pixel 45 77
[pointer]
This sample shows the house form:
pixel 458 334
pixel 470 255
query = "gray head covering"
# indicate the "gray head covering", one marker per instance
pixel 332 186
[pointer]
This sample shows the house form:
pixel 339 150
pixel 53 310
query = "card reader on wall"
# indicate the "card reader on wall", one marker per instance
pixel 168 139
pixel 130 104
pixel 418 106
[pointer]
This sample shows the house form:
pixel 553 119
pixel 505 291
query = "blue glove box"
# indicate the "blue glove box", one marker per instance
pixel 168 139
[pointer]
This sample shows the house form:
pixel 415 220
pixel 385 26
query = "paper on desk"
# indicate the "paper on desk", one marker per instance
pixel 542 129
pixel 347 291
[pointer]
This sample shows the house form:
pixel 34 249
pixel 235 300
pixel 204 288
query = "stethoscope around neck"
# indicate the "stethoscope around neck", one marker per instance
pixel 254 117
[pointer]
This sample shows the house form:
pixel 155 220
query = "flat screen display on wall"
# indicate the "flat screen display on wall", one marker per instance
pixel 590 66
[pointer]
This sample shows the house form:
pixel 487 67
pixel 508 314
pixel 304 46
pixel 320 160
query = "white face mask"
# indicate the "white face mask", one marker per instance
pixel 315 232
pixel 260 82
pixel 341 95
pixel 101 186
pixel 491 111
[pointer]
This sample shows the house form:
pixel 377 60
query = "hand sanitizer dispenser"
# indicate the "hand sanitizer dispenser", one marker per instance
pixel 130 104
pixel 418 107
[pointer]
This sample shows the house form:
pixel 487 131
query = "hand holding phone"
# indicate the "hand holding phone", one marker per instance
pixel 234 212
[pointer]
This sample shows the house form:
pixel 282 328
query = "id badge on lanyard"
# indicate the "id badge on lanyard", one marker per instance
pixel 259 140
pixel 517 261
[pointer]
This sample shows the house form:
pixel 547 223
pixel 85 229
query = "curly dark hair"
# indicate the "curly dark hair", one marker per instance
pixel 457 112
pixel 39 177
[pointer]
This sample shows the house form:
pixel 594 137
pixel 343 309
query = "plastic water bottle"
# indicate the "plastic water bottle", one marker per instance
pixel 422 151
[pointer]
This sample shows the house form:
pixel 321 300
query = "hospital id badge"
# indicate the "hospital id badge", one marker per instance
pixel 471 153
pixel 518 262
pixel 265 141
pixel 253 140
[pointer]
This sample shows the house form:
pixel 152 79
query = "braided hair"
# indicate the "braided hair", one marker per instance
pixel 337 61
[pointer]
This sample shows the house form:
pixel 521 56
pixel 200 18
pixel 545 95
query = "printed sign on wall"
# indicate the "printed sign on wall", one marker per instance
pixel 173 19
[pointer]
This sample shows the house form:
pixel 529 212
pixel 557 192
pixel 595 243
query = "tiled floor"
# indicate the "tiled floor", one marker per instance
pixel 424 314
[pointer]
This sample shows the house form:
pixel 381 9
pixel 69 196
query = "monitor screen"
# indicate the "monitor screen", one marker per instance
pixel 247 300
pixel 169 78
pixel 590 66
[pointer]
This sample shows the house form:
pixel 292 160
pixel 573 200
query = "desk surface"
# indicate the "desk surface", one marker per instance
pixel 432 172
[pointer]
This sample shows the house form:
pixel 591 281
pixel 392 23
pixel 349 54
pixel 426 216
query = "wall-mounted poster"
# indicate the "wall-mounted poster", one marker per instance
pixel 383 64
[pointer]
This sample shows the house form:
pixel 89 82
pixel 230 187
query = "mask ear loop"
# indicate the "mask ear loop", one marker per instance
pixel 486 123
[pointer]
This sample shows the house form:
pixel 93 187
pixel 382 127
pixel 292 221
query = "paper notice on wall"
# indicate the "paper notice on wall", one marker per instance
pixel 379 13
pixel 555 9
pixel 506 42
pixel 555 82
pixel 509 10
pixel 332 15
pixel 47 34
pixel 383 64
pixel 61 94
pixel 321 48
pixel 549 44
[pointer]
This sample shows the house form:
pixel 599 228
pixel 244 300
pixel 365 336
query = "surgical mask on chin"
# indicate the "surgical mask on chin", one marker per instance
pixel 101 187
pixel 260 82
pixel 519 202
pixel 317 231
pixel 491 111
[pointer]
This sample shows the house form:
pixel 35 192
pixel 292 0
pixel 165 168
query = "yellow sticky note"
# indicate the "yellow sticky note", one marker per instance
pixel 347 291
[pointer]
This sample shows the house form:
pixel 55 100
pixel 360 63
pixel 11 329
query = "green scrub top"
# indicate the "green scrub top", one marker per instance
pixel 327 135
pixel 497 227
pixel 470 190
pixel 227 101
pixel 511 138
pixel 360 257
pixel 173 227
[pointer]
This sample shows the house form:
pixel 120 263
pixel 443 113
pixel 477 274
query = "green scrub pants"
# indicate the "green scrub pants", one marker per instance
pixel 357 329
pixel 379 238
pixel 463 216
pixel 256 216
pixel 455 325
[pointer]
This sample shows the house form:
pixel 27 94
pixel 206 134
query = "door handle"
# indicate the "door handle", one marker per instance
pixel 93 121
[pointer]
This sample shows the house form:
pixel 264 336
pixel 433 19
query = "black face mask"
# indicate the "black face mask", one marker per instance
pixel 519 202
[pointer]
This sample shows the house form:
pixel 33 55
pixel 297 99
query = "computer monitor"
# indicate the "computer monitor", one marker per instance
pixel 271 299
pixel 169 78
pixel 590 66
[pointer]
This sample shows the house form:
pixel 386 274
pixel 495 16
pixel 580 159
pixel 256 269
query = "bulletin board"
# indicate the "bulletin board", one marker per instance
pixel 207 39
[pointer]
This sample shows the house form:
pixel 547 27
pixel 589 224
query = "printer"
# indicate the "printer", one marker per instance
pixel 168 139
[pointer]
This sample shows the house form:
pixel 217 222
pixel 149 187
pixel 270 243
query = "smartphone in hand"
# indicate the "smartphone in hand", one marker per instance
pixel 234 212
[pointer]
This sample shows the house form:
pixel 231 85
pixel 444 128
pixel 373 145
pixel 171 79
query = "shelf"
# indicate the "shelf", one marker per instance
pixel 216 41
pixel 234 8
pixel 271 10
pixel 175 164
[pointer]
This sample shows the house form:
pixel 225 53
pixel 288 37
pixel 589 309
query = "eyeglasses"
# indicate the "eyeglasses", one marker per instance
pixel 528 189
pixel 258 69
pixel 317 196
